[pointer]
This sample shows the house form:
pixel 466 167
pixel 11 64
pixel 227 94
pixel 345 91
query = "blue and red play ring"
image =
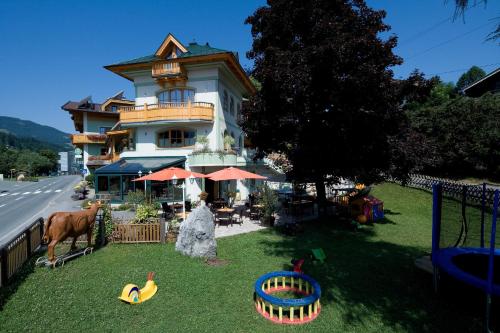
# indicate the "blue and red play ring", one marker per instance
pixel 287 310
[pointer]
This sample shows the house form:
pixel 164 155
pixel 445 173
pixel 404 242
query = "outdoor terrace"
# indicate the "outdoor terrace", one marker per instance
pixel 190 111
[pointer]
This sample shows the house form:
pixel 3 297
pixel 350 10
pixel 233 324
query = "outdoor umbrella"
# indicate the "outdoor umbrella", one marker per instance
pixel 233 173
pixel 173 174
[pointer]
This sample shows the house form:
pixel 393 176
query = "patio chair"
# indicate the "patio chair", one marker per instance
pixel 168 213
pixel 238 217
pixel 224 218
pixel 255 213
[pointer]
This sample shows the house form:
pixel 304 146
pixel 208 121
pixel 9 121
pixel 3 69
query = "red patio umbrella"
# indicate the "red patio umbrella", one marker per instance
pixel 173 173
pixel 233 173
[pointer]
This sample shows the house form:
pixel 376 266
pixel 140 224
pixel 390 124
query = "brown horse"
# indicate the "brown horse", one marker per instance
pixel 61 225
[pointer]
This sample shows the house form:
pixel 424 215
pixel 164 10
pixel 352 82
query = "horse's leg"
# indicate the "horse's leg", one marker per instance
pixel 73 244
pixel 51 247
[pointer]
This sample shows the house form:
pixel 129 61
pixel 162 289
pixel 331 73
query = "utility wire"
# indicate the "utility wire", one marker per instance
pixel 448 41
pixel 463 69
pixel 438 24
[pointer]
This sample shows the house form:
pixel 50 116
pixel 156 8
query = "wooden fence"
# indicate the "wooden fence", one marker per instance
pixel 474 193
pixel 139 233
pixel 16 252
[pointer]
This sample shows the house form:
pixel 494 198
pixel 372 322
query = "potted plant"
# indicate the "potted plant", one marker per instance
pixel 268 199
pixel 228 142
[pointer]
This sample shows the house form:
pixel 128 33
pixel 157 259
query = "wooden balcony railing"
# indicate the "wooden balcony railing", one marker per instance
pixel 83 138
pixel 166 68
pixel 167 112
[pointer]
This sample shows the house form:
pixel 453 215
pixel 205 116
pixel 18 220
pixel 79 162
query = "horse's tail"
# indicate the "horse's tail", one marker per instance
pixel 45 237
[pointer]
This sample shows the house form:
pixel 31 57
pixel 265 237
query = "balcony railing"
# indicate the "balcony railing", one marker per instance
pixel 99 160
pixel 83 138
pixel 167 112
pixel 168 68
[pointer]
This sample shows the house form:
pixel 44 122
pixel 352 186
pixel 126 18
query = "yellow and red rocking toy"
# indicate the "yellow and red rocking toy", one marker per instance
pixel 132 295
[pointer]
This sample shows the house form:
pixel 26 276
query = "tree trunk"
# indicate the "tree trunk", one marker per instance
pixel 321 196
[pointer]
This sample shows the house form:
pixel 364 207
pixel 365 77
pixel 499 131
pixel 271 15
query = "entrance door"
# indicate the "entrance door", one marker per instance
pixel 210 189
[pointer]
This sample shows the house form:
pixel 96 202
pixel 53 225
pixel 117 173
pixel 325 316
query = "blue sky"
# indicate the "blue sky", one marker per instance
pixel 53 51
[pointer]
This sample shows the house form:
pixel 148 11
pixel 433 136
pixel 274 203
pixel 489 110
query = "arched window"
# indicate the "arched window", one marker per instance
pixel 176 138
pixel 224 101
pixel 178 95
pixel 231 106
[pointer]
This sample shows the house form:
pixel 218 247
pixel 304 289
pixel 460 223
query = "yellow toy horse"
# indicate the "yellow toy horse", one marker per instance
pixel 132 295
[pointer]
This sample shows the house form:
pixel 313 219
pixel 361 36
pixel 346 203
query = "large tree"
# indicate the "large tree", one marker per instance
pixel 328 100
pixel 472 75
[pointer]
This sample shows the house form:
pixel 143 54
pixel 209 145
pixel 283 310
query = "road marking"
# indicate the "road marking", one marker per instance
pixel 47 191
pixel 37 191
pixel 26 193
pixel 58 191
pixel 3 194
pixel 2 205
pixel 19 198
pixel 15 193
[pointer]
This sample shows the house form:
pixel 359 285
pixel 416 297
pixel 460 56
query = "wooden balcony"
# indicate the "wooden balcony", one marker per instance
pixel 165 69
pixel 82 138
pixel 195 111
pixel 99 160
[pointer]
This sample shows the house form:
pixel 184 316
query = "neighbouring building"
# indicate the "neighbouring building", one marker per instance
pixel 489 83
pixel 93 121
pixel 66 162
pixel 187 104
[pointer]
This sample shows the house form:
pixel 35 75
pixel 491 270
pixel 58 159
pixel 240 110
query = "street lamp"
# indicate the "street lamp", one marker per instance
pixel 140 175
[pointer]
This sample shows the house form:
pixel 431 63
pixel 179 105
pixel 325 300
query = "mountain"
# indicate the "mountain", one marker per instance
pixel 41 133
pixel 12 141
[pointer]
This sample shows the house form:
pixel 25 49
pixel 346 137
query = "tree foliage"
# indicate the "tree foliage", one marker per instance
pixel 328 100
pixel 472 75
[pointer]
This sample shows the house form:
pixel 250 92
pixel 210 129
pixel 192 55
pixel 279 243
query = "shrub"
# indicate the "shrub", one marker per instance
pixel 86 203
pixel 136 198
pixel 90 180
pixel 108 224
pixel 269 200
pixel 145 213
pixel 124 206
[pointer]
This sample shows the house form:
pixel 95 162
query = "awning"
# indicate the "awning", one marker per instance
pixel 131 165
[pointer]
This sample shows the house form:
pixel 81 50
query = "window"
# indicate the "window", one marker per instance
pixel 176 138
pixel 189 138
pixel 224 101
pixel 164 139
pixel 231 106
pixel 176 96
pixel 103 130
pixel 104 151
pixel 114 108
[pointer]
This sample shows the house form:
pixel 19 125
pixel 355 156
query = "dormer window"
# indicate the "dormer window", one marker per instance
pixel 225 101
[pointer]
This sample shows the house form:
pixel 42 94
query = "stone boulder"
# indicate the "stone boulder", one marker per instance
pixel 197 234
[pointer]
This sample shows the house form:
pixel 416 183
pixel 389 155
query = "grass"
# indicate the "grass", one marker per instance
pixel 369 282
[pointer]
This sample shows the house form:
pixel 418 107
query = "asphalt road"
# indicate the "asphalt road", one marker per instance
pixel 21 203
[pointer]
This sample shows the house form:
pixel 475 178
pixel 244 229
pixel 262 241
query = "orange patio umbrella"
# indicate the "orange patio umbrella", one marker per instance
pixel 173 173
pixel 233 173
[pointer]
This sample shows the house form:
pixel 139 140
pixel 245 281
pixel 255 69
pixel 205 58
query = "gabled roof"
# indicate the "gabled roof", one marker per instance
pixel 192 50
pixel 490 76
pixel 193 53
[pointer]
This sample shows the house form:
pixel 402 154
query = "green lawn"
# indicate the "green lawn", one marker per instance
pixel 369 282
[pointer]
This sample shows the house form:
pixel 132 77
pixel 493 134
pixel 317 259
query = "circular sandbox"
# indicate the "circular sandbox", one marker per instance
pixel 287 310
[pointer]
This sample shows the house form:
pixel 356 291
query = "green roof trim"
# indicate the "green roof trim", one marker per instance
pixel 193 51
